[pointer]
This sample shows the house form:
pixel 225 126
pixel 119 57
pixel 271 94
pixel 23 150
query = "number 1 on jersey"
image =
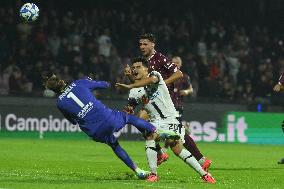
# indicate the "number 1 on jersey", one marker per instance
pixel 76 99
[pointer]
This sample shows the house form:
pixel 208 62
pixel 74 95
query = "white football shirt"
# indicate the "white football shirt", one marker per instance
pixel 155 98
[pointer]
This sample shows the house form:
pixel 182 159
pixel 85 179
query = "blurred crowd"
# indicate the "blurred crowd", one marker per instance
pixel 225 61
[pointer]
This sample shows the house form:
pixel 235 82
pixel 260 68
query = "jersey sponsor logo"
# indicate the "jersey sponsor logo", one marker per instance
pixel 152 91
pixel 87 108
pixel 154 95
pixel 67 90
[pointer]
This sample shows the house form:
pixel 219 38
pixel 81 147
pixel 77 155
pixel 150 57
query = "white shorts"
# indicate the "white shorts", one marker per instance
pixel 170 125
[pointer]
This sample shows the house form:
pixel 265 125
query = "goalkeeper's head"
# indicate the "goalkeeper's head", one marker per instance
pixel 54 83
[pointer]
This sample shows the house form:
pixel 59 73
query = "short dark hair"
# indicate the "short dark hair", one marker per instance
pixel 140 59
pixel 148 36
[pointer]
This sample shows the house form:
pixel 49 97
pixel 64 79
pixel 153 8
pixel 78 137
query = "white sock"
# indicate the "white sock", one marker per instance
pixel 164 150
pixel 201 161
pixel 151 155
pixel 190 160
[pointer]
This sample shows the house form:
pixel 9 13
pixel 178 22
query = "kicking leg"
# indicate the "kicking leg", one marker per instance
pixel 122 154
pixel 189 159
pixel 190 145
pixel 143 126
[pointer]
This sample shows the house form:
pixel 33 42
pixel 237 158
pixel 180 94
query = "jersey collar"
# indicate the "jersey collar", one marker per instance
pixel 152 55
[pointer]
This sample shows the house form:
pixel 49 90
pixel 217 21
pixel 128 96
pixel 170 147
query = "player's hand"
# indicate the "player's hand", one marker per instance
pixel 121 85
pixel 277 88
pixel 128 109
pixel 183 92
pixel 186 92
pixel 127 71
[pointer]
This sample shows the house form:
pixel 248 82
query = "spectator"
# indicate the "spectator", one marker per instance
pixel 104 42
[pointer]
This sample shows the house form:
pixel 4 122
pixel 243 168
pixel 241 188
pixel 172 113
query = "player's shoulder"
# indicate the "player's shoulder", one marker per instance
pixel 134 92
pixel 161 57
pixel 82 80
pixel 155 73
pixel 86 78
pixel 59 103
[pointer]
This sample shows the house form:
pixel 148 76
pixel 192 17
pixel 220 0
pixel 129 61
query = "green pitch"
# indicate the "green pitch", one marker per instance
pixel 40 164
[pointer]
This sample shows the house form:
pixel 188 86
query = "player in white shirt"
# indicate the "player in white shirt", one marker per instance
pixel 151 91
pixel 158 104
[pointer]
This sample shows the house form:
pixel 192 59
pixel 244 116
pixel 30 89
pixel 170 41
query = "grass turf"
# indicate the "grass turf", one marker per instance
pixel 34 163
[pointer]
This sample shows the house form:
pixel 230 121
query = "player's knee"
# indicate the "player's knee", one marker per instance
pixel 151 136
pixel 114 145
pixel 175 145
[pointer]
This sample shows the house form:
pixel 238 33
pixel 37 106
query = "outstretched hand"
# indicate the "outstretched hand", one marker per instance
pixel 123 86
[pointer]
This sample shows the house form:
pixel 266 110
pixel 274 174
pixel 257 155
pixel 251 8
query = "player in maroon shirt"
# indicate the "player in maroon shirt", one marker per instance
pixel 277 88
pixel 182 88
pixel 170 73
pixel 280 85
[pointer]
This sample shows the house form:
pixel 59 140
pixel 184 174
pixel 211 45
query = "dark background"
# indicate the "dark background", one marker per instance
pixel 250 32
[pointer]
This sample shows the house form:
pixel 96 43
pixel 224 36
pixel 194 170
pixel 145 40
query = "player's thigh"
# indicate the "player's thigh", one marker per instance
pixel 106 139
pixel 169 126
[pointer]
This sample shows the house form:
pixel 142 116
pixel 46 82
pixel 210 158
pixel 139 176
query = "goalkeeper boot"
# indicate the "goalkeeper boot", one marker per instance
pixel 206 164
pixel 152 178
pixel 141 174
pixel 162 158
pixel 208 178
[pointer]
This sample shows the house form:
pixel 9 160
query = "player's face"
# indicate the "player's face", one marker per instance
pixel 139 70
pixel 146 47
pixel 177 62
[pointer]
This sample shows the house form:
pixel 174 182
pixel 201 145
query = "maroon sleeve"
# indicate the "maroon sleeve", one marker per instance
pixel 167 64
pixel 186 81
pixel 281 79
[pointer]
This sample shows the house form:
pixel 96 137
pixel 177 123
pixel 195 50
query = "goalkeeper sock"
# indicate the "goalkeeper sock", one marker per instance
pixel 121 154
pixel 151 155
pixel 187 157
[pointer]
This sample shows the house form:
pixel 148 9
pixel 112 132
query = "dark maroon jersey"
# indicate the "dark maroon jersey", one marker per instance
pixel 160 63
pixel 181 84
pixel 281 79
